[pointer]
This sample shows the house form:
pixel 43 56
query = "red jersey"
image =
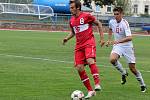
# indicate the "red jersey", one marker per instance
pixel 82 26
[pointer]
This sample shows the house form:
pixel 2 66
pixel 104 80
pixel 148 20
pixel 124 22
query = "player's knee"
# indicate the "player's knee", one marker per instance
pixel 79 68
pixel 113 58
pixel 113 61
pixel 90 61
pixel 132 68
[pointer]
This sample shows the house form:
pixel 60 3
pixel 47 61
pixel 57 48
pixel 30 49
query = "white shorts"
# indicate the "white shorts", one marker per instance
pixel 127 52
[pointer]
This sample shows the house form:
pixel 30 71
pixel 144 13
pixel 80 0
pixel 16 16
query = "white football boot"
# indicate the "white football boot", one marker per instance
pixel 90 94
pixel 98 87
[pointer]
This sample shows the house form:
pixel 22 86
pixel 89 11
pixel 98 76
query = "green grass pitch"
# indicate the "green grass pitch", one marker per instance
pixel 36 66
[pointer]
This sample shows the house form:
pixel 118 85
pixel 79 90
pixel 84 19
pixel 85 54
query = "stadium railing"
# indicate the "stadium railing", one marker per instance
pixel 55 21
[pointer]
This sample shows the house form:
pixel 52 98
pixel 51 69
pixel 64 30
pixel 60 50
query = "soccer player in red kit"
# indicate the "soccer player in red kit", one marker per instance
pixel 85 49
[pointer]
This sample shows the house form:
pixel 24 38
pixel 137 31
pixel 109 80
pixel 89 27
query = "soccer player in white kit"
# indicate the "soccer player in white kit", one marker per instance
pixel 122 46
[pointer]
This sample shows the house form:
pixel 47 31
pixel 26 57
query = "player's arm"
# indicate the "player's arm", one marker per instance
pixel 110 34
pixel 68 37
pixel 126 39
pixel 109 41
pixel 99 25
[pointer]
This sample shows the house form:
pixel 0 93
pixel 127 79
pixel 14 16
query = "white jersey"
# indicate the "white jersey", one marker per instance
pixel 121 30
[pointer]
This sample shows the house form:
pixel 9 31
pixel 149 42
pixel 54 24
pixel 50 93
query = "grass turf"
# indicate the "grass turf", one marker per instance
pixel 36 66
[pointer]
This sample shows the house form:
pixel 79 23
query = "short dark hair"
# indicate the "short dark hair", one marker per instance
pixel 119 9
pixel 77 3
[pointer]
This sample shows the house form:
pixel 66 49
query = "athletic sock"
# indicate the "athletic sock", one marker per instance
pixel 85 80
pixel 119 67
pixel 95 73
pixel 139 78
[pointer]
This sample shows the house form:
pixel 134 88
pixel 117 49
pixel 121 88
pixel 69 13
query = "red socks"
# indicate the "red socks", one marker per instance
pixel 85 80
pixel 95 73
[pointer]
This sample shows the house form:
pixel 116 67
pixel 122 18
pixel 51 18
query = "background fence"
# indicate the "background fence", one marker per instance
pixel 33 17
pixel 60 20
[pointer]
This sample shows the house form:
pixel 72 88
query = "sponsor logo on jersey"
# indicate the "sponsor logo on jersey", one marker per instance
pixel 80 28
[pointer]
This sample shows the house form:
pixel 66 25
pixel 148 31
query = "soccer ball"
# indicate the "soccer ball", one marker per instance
pixel 77 95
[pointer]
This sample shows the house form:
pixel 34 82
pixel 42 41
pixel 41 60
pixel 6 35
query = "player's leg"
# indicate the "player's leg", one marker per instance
pixel 115 62
pixel 138 76
pixel 83 76
pixel 130 57
pixel 116 53
pixel 95 73
pixel 79 65
pixel 90 53
pixel 85 80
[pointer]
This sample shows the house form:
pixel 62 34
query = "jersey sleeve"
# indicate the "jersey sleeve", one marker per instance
pixel 91 18
pixel 110 25
pixel 127 28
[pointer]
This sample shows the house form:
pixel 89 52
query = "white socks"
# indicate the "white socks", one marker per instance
pixel 119 67
pixel 139 78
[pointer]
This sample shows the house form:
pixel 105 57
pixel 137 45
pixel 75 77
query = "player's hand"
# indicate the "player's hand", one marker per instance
pixel 64 41
pixel 102 42
pixel 108 43
pixel 115 42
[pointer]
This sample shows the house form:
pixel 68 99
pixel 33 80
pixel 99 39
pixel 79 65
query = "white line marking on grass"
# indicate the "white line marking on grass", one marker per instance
pixel 58 31
pixel 34 58
pixel 31 30
pixel 61 61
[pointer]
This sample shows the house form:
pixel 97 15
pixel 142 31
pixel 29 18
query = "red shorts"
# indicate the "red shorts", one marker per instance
pixel 81 55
